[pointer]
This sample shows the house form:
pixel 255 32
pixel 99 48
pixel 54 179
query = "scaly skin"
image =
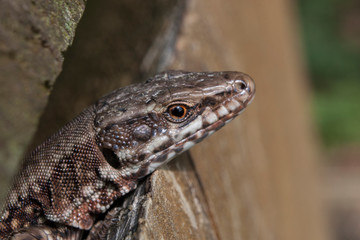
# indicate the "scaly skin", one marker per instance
pixel 101 154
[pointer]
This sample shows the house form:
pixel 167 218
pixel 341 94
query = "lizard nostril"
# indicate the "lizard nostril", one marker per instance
pixel 240 85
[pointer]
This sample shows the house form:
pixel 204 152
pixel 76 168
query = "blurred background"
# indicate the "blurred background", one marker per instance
pixel 331 40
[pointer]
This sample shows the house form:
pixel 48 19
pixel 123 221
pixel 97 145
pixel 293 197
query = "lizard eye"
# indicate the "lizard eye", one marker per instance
pixel 177 112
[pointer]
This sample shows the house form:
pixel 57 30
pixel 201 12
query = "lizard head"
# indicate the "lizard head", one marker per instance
pixel 141 127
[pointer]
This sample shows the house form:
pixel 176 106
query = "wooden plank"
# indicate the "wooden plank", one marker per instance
pixel 260 173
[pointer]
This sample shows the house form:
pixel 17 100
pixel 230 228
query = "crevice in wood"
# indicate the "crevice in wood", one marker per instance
pixel 203 192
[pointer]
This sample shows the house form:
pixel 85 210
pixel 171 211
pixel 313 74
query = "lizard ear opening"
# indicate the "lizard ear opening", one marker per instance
pixel 111 158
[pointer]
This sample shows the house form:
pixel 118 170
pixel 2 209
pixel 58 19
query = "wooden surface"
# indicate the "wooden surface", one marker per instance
pixel 259 175
pixel 255 179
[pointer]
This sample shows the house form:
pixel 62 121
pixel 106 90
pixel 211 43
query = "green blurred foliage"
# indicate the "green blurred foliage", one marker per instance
pixel 331 32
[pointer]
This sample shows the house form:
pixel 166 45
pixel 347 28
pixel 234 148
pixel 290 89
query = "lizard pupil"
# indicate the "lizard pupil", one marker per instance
pixel 178 111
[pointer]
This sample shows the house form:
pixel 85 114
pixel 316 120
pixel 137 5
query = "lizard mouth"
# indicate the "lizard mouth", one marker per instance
pixel 211 120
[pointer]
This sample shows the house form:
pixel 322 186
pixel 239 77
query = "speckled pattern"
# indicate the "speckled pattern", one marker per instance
pixel 101 154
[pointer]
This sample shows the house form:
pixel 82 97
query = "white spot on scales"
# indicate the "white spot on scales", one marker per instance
pixel 154 165
pixel 210 117
pixel 191 128
pixel 222 111
pixel 233 105
pixel 157 142
pixel 188 145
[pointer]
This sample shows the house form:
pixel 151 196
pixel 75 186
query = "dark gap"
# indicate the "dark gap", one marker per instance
pixel 111 158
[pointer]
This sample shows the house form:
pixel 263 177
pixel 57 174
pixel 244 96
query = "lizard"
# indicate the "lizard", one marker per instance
pixel 100 155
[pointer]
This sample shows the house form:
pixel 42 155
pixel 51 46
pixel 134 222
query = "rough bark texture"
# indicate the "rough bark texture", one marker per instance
pixel 33 36
pixel 255 179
